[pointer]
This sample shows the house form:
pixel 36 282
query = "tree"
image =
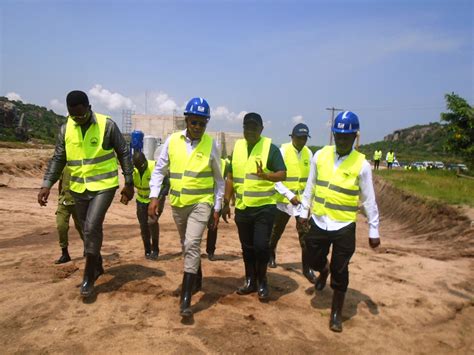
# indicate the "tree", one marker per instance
pixel 460 127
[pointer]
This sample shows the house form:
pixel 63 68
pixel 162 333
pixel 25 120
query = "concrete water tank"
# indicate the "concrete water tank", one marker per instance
pixel 149 146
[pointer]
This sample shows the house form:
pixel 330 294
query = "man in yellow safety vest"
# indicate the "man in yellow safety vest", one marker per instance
pixel 390 158
pixel 90 144
pixel 377 157
pixel 194 165
pixel 339 178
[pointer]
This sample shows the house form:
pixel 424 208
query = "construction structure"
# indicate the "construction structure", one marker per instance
pixel 162 126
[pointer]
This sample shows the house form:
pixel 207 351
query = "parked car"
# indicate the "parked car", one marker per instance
pixel 418 165
pixel 456 167
pixel 439 165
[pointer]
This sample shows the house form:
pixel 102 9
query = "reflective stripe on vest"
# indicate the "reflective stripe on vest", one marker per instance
pixel 191 177
pixel 142 183
pixel 92 167
pixel 390 157
pixel 250 190
pixel 337 191
pixel 297 170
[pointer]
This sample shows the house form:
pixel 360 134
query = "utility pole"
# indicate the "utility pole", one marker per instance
pixel 146 101
pixel 332 109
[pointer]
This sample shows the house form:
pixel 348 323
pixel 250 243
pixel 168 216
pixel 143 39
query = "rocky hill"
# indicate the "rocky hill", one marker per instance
pixel 26 122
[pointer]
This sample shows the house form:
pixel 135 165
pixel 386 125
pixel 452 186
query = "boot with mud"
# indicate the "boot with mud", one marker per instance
pixel 335 322
pixel 186 293
pixel 250 284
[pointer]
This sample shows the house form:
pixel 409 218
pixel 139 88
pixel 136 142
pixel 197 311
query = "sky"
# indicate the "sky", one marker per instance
pixel 390 62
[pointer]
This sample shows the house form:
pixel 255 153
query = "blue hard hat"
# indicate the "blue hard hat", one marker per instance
pixel 346 122
pixel 198 106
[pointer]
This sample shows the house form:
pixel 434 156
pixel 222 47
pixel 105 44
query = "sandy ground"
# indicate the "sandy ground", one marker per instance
pixel 413 295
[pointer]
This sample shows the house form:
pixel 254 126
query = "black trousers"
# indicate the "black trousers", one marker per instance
pixel 389 165
pixel 279 225
pixel 91 207
pixel 376 164
pixel 318 242
pixel 149 231
pixel 211 235
pixel 255 225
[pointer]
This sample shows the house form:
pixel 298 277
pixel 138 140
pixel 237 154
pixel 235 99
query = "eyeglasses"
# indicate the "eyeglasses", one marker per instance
pixel 81 117
pixel 198 123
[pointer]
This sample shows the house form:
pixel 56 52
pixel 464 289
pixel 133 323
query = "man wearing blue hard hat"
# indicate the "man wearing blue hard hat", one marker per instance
pixel 340 178
pixel 197 186
pixel 297 157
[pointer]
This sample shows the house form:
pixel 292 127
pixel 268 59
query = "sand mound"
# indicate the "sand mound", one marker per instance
pixel 447 227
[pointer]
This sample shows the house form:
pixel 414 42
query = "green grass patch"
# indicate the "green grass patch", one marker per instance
pixel 440 185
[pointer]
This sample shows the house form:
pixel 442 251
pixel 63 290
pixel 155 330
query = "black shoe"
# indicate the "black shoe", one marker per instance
pixel 147 255
pixel 307 271
pixel 186 294
pixel 87 286
pixel 211 257
pixel 321 280
pixel 64 258
pixel 262 289
pixel 335 322
pixel 250 284
pixel 153 255
pixel 271 262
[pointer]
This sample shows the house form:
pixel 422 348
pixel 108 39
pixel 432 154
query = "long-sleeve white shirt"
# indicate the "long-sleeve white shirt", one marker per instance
pixel 162 166
pixel 288 208
pixel 366 197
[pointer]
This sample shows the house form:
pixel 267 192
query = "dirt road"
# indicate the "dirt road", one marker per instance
pixel 414 295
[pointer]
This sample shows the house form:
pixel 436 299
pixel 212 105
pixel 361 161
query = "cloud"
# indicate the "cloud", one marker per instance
pixel 113 101
pixel 222 113
pixel 13 96
pixel 297 119
pixel 58 107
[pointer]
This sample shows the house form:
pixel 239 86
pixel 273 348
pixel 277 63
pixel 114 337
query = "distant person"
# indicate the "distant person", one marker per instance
pixel 149 227
pixel 194 164
pixel 211 239
pixel 377 156
pixel 90 144
pixel 339 178
pixel 297 157
pixel 390 158
pixel 65 210
pixel 256 165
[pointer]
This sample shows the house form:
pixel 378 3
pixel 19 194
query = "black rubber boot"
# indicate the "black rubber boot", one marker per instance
pixel 87 286
pixel 64 258
pixel 262 289
pixel 250 284
pixel 155 239
pixel 335 323
pixel 272 260
pixel 322 278
pixel 198 282
pixel 186 294
pixel 307 271
pixel 100 268
pixel 147 247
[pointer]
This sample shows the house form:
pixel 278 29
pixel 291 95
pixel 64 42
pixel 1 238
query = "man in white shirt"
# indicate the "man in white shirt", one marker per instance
pixel 297 157
pixel 194 165
pixel 339 179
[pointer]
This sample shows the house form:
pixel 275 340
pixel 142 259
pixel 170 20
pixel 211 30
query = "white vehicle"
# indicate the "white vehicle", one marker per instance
pixel 439 165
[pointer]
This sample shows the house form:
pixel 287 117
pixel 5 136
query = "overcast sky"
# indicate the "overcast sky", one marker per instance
pixel 391 62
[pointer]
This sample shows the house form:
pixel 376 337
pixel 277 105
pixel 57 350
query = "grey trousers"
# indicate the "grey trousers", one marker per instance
pixel 191 222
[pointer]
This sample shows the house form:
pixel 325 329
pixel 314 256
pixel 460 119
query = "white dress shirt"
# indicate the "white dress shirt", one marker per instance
pixel 162 166
pixel 366 197
pixel 288 208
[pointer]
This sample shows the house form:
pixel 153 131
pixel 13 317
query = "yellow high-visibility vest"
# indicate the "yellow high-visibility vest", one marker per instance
pixel 390 157
pixel 336 192
pixel 142 183
pixel 92 167
pixel 377 155
pixel 250 190
pixel 297 170
pixel 191 177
